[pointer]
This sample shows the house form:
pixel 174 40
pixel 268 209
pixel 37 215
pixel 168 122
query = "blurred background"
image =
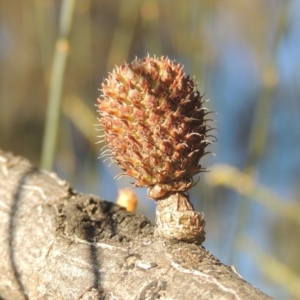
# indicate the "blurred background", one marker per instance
pixel 245 56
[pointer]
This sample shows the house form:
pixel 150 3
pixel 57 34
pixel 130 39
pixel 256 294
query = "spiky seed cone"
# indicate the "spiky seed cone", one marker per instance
pixel 154 124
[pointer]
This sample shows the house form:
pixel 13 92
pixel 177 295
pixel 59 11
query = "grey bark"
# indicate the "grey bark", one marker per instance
pixel 58 244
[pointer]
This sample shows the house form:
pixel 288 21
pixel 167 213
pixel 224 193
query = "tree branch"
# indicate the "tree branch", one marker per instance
pixel 58 244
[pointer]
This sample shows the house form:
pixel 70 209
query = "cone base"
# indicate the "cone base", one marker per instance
pixel 177 219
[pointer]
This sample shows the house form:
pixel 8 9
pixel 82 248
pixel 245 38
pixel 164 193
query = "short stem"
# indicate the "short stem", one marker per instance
pixel 177 219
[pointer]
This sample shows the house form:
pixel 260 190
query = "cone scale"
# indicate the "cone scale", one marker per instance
pixel 155 129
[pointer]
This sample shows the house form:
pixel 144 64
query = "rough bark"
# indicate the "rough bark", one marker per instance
pixel 58 244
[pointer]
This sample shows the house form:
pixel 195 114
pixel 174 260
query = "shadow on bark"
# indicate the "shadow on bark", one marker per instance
pixel 96 216
pixel 91 235
pixel 94 259
pixel 13 227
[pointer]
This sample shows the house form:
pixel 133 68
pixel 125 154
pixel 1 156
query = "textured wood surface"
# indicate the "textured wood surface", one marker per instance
pixel 58 244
